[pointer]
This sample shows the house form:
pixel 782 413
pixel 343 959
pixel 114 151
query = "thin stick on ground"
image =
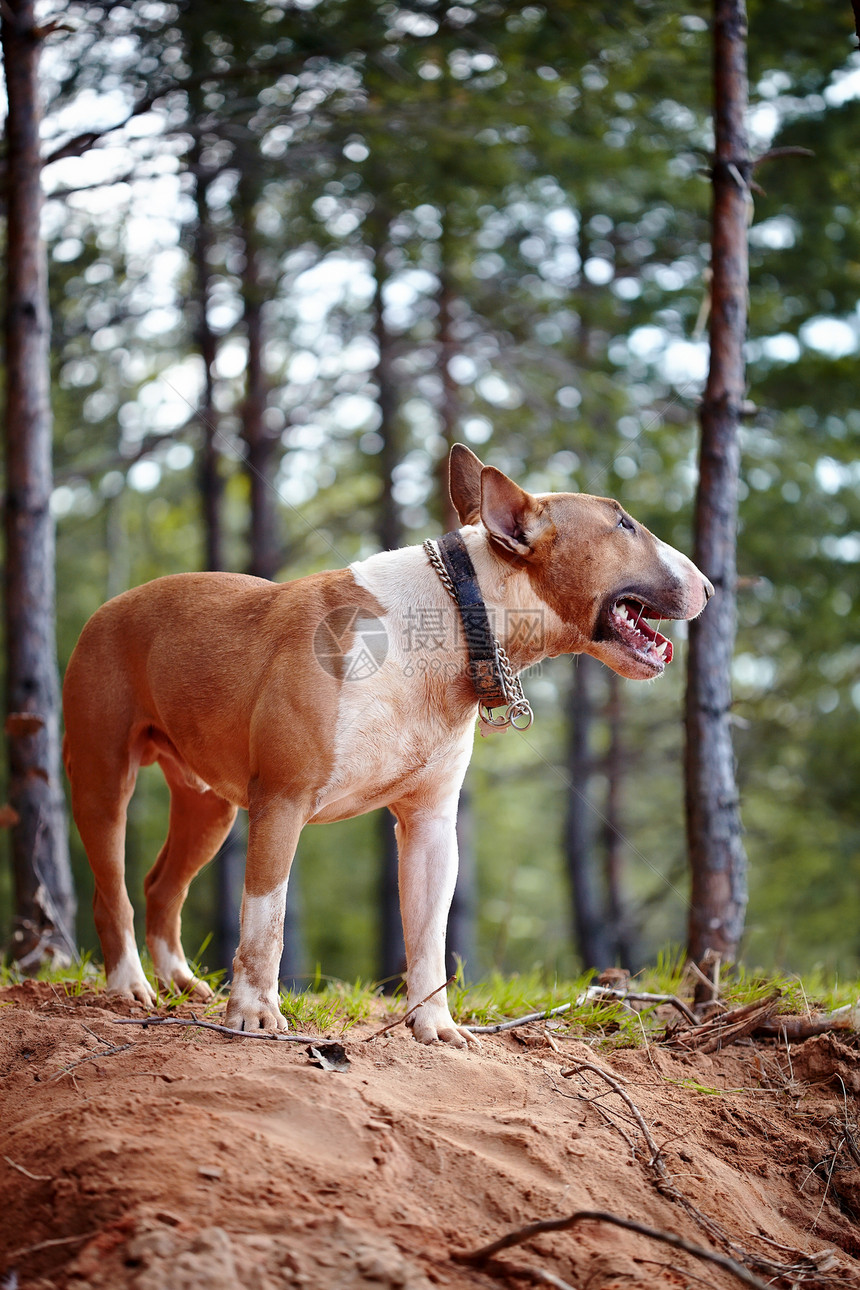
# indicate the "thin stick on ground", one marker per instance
pixel 402 1020
pixel 92 1057
pixel 540 1276
pixel 629 1224
pixel 272 1035
pixel 666 1186
pixel 614 1082
pixel 47 1245
pixel 518 1021
pixel 726 1027
pixel 641 996
pixel 26 1172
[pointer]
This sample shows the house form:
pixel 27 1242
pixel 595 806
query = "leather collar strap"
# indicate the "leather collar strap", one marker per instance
pixel 484 667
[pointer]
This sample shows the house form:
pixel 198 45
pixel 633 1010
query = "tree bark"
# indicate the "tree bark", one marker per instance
pixel 211 479
pixel 588 915
pixel 229 863
pixel 716 854
pixel 392 951
pixel 613 837
pixel 263 519
pixel 260 444
pixel 461 938
pixel 45 908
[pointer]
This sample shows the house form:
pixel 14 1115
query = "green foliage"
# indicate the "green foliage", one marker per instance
pixel 541 172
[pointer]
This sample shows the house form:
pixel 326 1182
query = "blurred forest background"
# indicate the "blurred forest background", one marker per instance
pixel 298 248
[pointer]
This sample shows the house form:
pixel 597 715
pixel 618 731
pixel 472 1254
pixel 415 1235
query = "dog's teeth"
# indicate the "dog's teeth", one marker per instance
pixel 661 648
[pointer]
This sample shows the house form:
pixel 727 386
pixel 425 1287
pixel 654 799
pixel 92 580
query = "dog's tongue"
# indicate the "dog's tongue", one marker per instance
pixel 633 624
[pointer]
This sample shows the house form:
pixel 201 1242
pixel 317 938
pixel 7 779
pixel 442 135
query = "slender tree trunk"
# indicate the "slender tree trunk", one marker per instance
pixel 613 838
pixel 211 479
pixel 260 444
pixel 389 525
pixel 589 922
pixel 461 937
pixel 44 898
pixel 229 863
pixel 449 407
pixel 717 859
pixel 263 520
pixel 392 951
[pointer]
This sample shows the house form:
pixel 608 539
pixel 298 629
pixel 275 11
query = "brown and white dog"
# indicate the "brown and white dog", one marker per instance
pixel 326 697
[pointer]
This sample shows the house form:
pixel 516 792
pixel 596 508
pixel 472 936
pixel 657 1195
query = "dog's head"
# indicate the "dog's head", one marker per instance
pixel 602 573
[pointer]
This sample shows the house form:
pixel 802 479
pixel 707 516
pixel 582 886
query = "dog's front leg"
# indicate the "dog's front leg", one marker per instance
pixel 274 827
pixel 427 851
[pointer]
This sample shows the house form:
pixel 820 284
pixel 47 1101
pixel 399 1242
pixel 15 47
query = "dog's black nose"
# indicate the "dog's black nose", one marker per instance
pixel 709 590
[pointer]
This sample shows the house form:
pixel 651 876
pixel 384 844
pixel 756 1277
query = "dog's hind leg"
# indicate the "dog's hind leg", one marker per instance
pixel 100 798
pixel 199 822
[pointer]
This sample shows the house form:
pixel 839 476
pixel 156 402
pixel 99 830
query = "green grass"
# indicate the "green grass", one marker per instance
pixel 329 1005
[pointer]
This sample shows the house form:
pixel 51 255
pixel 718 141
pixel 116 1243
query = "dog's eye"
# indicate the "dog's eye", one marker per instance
pixel 625 522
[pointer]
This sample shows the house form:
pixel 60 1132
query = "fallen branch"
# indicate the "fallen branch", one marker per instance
pixel 277 1035
pixel 47 1245
pixel 539 1275
pixel 725 1028
pixel 629 1224
pixel 517 1021
pixel 26 1172
pixel 91 1057
pixel 666 1186
pixel 656 1160
pixel 797 1029
pixel 402 1020
pixel 638 996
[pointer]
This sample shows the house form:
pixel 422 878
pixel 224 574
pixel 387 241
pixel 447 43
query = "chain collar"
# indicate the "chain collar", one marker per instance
pixel 515 709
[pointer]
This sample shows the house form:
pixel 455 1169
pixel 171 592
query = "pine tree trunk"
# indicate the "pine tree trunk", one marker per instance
pixel 229 863
pixel 263 520
pixel 211 479
pixel 44 898
pixel 717 859
pixel 461 939
pixel 613 837
pixel 260 444
pixel 392 951
pixel 588 916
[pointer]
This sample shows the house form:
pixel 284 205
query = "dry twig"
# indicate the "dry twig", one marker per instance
pixel 402 1020
pixel 276 1035
pixel 26 1172
pixel 640 996
pixel 631 1225
pixel 499 1026
pixel 725 1028
pixel 91 1057
pixel 666 1186
pixel 541 1276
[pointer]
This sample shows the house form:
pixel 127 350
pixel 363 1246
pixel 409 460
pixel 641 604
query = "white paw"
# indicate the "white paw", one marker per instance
pixel 188 983
pixel 436 1026
pixel 139 991
pixel 174 973
pixel 247 1010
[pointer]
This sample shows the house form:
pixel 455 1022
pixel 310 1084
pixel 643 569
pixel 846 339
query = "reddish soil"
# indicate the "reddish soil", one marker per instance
pixel 174 1159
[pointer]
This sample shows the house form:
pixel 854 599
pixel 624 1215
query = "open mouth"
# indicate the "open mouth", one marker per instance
pixel 627 621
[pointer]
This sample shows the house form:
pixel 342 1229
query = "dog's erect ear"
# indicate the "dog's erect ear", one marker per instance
pixel 464 483
pixel 510 515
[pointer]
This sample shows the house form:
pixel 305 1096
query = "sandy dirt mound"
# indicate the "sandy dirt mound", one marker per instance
pixel 172 1159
